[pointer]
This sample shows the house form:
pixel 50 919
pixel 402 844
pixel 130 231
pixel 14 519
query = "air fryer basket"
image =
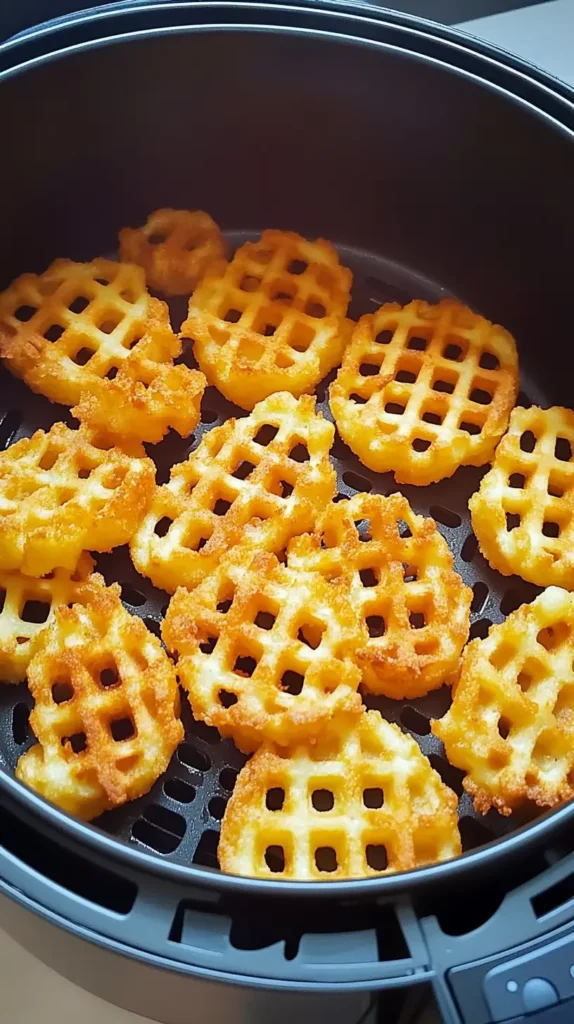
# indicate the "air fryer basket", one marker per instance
pixel 180 818
pixel 437 167
pixel 406 168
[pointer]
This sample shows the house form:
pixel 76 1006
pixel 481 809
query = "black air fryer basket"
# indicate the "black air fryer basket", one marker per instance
pixel 438 166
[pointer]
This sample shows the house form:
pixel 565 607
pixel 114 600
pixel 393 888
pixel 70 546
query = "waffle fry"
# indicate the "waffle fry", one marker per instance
pixel 89 333
pixel 264 652
pixel 424 389
pixel 257 480
pixel 174 247
pixel 273 319
pixel 27 606
pixel 143 402
pixel 413 608
pixel 107 706
pixel 60 493
pixel 365 802
pixel 523 513
pixel 511 724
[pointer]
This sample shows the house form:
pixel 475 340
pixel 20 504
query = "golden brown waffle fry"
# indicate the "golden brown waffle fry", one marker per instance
pixel 264 652
pixel 143 402
pixel 365 802
pixel 523 514
pixel 511 724
pixel 60 494
pixel 257 480
pixel 77 322
pixel 424 389
pixel 413 608
pixel 70 331
pixel 27 606
pixel 273 319
pixel 174 248
pixel 106 706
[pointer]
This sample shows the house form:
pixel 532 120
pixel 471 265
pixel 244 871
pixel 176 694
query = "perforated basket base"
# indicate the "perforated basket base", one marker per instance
pixel 180 818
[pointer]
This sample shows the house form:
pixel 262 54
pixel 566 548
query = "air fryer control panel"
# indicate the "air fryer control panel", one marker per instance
pixel 511 988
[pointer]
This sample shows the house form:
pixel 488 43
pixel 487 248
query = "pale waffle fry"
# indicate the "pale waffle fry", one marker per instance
pixel 365 802
pixel 27 606
pixel 70 331
pixel 511 724
pixel 523 514
pixel 264 652
pixel 174 247
pixel 413 608
pixel 273 319
pixel 424 389
pixel 106 712
pixel 257 480
pixel 60 494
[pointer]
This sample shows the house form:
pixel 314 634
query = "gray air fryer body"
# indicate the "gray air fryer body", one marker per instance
pixel 437 165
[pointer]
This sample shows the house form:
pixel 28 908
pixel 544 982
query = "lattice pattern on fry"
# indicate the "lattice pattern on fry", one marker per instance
pixel 365 802
pixel 257 480
pixel 89 333
pixel 511 724
pixel 78 322
pixel 413 607
pixel 27 606
pixel 60 493
pixel 523 514
pixel 273 319
pixel 264 652
pixel 174 247
pixel 424 389
pixel 106 706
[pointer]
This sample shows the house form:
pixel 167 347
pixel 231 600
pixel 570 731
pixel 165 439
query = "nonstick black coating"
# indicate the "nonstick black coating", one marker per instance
pixel 180 818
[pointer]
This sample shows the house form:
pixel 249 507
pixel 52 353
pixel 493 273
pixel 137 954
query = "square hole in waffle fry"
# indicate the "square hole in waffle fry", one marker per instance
pixel 60 493
pixel 511 723
pixel 27 606
pixel 264 652
pixel 243 483
pixel 106 712
pixel 424 389
pixel 143 401
pixel 174 247
pixel 273 319
pixel 398 571
pixel 361 801
pixel 523 514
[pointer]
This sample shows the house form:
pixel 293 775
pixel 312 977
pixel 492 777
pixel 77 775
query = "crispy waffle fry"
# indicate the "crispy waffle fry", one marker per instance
pixel 77 322
pixel 523 513
pixel 259 480
pixel 273 319
pixel 413 608
pixel 174 248
pixel 60 493
pixel 511 724
pixel 106 706
pixel 143 402
pixel 365 802
pixel 264 652
pixel 424 389
pixel 27 606
pixel 70 331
